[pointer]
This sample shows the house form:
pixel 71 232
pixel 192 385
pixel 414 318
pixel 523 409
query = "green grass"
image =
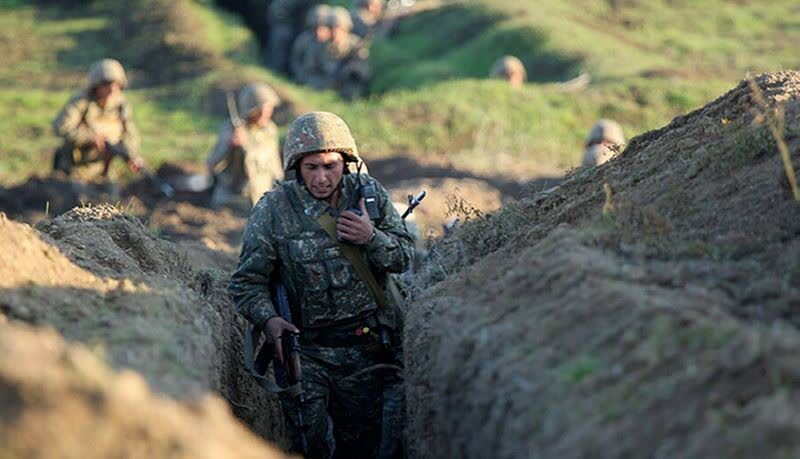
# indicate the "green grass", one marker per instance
pixel 430 99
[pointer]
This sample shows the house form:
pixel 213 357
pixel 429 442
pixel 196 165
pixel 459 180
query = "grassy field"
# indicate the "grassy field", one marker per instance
pixel 430 101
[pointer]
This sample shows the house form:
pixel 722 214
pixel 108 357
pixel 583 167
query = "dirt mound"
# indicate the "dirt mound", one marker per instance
pixel 41 196
pixel 59 398
pixel 100 277
pixel 657 317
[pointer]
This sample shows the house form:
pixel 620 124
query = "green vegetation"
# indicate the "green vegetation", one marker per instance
pixel 649 61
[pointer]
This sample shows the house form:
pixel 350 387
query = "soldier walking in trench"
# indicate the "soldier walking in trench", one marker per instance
pixel 305 234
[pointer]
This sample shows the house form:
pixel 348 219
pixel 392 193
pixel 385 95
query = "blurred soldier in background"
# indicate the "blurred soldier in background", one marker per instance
pixel 365 15
pixel 246 157
pixel 308 50
pixel 605 139
pixel 96 125
pixel 285 25
pixel 511 69
pixel 346 66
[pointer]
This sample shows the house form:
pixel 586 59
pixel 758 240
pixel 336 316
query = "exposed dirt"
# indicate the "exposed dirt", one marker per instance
pixel 657 320
pixel 60 400
pixel 99 276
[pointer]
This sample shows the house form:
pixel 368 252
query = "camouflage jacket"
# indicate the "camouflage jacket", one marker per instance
pixel 363 22
pixel 82 119
pixel 597 154
pixel 283 240
pixel 346 58
pixel 257 164
pixel 307 59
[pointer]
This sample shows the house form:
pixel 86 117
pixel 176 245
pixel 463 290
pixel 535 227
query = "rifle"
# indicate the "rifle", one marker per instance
pixel 118 150
pixel 233 113
pixel 290 373
pixel 413 202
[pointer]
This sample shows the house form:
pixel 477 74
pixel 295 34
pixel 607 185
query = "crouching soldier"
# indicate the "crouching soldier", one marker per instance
pixel 511 69
pixel 334 252
pixel 96 123
pixel 604 141
pixel 246 158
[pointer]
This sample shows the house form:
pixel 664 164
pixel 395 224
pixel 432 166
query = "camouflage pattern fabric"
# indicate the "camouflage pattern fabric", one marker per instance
pixel 284 28
pixel 597 154
pixel 251 169
pixel 363 22
pixel 81 119
pixel 346 66
pixel 283 239
pixel 306 61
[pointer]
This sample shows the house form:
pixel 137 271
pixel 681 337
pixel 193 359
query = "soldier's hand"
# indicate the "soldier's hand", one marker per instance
pixel 135 165
pixel 238 138
pixel 276 327
pixel 354 228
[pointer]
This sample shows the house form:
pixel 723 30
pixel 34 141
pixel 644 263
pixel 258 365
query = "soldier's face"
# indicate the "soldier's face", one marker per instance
pixel 339 34
pixel 322 34
pixel 321 173
pixel 516 79
pixel 261 115
pixel 105 91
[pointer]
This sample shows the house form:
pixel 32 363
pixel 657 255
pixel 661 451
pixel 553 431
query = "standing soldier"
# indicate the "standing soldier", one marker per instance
pixel 346 66
pixel 605 139
pixel 245 158
pixel 366 14
pixel 511 69
pixel 96 125
pixel 309 49
pixel 284 27
pixel 316 236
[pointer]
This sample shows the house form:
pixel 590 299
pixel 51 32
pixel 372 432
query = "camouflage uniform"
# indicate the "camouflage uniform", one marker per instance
pixel 308 53
pixel 345 63
pixel 507 67
pixel 282 239
pixel 254 167
pixel 284 28
pixel 605 138
pixel 364 21
pixel 82 119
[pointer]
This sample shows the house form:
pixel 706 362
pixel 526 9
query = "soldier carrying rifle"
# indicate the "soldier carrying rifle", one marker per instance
pixel 333 239
pixel 96 123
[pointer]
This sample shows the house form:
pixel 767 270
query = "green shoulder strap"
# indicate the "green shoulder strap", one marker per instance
pixel 357 259
pixel 387 315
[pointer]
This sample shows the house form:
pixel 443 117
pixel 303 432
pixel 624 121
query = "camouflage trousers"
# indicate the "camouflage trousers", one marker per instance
pixel 344 410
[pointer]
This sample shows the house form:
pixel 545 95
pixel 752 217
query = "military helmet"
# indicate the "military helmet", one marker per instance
pixel 507 66
pixel 318 16
pixel 254 95
pixel 606 130
pixel 367 3
pixel 339 18
pixel 105 71
pixel 318 132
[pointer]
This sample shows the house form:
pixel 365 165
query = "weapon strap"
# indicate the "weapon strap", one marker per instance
pixel 356 258
pixel 257 364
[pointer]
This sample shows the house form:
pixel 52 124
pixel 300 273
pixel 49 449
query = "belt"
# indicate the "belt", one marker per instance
pixel 358 333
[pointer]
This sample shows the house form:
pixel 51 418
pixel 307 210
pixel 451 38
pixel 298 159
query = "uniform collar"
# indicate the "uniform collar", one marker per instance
pixel 314 207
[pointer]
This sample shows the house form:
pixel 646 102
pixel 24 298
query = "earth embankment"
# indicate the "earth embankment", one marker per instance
pixel 648 307
pixel 100 277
